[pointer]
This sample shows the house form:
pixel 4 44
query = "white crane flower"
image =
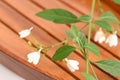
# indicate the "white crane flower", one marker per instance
pixel 25 33
pixel 72 65
pixel 34 57
pixel 112 39
pixel 99 36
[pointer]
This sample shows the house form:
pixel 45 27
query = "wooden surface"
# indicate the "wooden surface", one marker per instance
pixel 16 15
pixel 22 70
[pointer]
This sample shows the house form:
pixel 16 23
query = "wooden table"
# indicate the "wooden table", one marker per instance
pixel 16 15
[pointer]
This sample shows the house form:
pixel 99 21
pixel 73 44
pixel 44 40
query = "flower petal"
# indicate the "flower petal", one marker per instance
pixel 72 64
pixel 99 36
pixel 30 60
pixel 70 68
pixel 112 40
pixel 36 58
pixel 25 33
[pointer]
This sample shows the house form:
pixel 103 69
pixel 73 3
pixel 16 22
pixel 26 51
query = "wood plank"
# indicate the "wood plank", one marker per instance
pixel 10 22
pixel 40 37
pixel 20 25
pixel 14 23
pixel 20 69
pixel 83 6
pixel 60 31
pixel 113 5
pixel 19 53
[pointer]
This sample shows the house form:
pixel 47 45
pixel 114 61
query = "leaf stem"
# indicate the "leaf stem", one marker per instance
pixel 89 34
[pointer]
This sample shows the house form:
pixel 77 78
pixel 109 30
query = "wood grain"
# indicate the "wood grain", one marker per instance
pixel 17 15
pixel 20 69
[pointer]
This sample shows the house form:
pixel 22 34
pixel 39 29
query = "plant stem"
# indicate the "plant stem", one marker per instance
pixel 89 33
pixel 87 64
pixel 34 39
pixel 52 46
pixel 90 22
pixel 93 71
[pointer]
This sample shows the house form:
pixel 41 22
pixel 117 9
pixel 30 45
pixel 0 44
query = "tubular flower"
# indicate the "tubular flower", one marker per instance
pixel 25 33
pixel 112 39
pixel 72 65
pixel 99 36
pixel 34 57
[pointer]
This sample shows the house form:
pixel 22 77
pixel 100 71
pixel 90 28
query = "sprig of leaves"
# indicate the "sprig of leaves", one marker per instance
pixel 77 36
pixel 80 39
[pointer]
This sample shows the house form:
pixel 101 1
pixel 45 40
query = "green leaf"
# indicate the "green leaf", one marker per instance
pixel 73 33
pixel 63 52
pixel 76 35
pixel 70 34
pixel 88 76
pixel 116 1
pixel 92 48
pixel 105 25
pixel 82 39
pixel 84 18
pixel 108 16
pixel 110 66
pixel 58 16
pixel 75 30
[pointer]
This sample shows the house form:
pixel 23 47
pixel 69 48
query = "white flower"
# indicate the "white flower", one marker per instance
pixel 25 33
pixel 112 39
pixel 99 36
pixel 72 65
pixel 34 57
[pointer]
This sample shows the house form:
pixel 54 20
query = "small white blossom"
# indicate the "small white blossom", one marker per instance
pixel 25 33
pixel 72 65
pixel 99 36
pixel 34 57
pixel 112 39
